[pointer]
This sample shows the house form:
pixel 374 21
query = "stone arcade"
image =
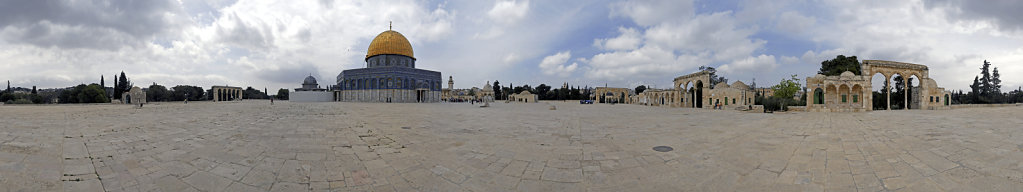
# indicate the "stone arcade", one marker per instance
pixel 850 92
pixel 390 75
pixel 694 91
pixel 226 93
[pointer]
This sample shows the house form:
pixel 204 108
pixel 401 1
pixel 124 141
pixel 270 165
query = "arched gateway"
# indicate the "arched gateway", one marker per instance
pixel 850 92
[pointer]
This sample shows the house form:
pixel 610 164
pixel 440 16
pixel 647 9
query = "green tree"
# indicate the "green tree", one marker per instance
pixel 714 78
pixel 497 91
pixel 282 94
pixel 996 87
pixel 542 91
pixel 640 89
pixel 122 86
pixel 787 88
pixel 840 64
pixel 92 93
pixel 251 93
pixel 157 93
pixel 182 92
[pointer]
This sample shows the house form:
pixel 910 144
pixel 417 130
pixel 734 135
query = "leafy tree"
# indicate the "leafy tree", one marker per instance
pixel 975 90
pixel 640 89
pixel 497 90
pixel 986 87
pixel 91 93
pixel 182 92
pixel 840 64
pixel 714 79
pixel 787 88
pixel 250 93
pixel 122 86
pixel 996 87
pixel 157 93
pixel 542 90
pixel 34 90
pixel 282 94
pixel 985 79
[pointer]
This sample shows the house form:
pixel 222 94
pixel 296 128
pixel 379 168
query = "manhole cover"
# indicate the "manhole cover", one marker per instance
pixel 663 148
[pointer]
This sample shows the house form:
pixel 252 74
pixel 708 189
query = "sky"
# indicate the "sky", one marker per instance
pixel 276 44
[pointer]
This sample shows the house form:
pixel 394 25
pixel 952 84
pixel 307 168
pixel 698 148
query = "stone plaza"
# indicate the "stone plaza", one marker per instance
pixel 251 145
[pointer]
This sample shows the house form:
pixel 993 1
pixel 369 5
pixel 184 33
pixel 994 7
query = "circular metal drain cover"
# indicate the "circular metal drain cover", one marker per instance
pixel 663 148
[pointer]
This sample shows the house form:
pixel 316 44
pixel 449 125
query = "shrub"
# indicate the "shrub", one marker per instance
pixel 779 103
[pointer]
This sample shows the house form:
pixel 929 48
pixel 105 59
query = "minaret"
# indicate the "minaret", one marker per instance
pixel 451 83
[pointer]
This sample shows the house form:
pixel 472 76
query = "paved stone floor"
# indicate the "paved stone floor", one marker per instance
pixel 252 146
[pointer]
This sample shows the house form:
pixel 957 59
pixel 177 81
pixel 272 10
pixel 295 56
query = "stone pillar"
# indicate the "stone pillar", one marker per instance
pixel 906 93
pixel 888 94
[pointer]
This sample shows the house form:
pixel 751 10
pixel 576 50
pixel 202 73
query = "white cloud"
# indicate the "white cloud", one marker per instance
pixel 509 12
pixel 628 40
pixel 653 12
pixel 792 22
pixel 671 46
pixel 644 64
pixel 555 64
pixel 762 63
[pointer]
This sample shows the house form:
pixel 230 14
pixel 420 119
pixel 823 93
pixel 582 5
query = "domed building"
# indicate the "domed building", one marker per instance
pixel 309 84
pixel 310 92
pixel 390 75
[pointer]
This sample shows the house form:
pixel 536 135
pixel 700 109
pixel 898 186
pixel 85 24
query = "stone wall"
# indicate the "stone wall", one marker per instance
pixel 311 96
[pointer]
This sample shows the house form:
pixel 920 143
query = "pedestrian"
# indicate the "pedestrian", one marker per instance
pixel 271 101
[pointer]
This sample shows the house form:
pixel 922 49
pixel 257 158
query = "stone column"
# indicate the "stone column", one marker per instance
pixel 906 93
pixel 887 94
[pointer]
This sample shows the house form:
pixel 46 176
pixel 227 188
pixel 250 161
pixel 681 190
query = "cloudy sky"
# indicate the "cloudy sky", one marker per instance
pixel 262 43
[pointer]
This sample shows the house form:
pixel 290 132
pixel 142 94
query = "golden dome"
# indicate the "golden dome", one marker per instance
pixel 390 42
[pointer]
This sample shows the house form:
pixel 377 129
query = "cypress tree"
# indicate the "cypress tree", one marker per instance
pixel 122 86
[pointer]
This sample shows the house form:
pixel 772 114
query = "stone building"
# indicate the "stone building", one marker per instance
pixel 851 92
pixel 390 75
pixel 135 95
pixel 524 96
pixel 311 92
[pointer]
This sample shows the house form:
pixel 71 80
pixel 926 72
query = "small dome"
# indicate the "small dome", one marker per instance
pixel 310 80
pixel 390 43
pixel 847 74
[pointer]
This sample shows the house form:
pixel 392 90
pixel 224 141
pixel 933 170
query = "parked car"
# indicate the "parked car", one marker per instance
pixel 585 101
